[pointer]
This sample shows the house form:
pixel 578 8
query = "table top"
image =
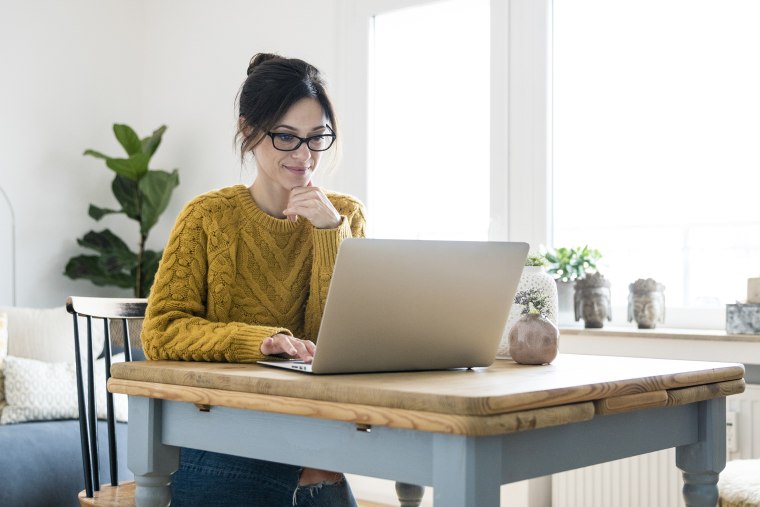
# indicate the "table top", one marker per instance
pixel 504 397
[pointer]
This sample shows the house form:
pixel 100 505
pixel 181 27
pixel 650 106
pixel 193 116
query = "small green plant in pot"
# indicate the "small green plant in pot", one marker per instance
pixel 568 264
pixel 536 260
pixel 143 194
pixel 533 302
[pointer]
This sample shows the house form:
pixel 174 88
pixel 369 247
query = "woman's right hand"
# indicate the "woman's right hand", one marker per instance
pixel 289 346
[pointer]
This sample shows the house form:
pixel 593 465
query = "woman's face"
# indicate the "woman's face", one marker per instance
pixel 283 170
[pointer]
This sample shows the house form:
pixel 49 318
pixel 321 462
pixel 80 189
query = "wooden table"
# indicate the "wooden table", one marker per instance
pixel 463 432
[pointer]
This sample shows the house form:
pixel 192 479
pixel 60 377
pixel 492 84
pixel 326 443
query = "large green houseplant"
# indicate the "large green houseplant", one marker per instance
pixel 143 194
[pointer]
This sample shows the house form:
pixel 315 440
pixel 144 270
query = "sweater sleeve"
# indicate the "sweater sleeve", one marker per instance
pixel 175 324
pixel 326 243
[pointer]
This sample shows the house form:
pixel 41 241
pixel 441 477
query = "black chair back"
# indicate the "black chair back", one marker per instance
pixel 122 322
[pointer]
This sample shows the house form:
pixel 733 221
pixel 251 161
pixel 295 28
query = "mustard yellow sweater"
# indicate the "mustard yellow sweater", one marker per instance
pixel 231 276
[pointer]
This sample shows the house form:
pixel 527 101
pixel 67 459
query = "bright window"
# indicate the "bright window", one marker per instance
pixel 429 122
pixel 657 143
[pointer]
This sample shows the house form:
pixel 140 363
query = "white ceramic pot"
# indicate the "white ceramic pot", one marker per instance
pixel 532 277
pixel 566 296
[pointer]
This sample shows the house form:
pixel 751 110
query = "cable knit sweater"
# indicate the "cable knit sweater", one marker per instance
pixel 232 275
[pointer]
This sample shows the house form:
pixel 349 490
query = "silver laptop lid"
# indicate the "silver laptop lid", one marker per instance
pixel 396 305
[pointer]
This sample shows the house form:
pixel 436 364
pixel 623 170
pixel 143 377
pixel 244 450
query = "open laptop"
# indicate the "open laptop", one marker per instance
pixel 405 305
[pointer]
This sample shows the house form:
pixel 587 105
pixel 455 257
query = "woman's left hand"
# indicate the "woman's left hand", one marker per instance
pixel 312 204
pixel 290 346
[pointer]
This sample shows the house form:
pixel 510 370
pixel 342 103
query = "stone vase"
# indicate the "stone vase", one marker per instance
pixel 532 277
pixel 533 340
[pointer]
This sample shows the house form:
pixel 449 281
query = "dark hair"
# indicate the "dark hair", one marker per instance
pixel 273 85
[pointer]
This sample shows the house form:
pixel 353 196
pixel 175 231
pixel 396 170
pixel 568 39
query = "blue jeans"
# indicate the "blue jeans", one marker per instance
pixel 210 479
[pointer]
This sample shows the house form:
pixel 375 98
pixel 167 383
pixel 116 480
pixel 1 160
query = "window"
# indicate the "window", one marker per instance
pixel 656 159
pixel 429 163
pixel 518 112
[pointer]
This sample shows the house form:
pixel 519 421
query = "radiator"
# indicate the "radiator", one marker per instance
pixel 652 480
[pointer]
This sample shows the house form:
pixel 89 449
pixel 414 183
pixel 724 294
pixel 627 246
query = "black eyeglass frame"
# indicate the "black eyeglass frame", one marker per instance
pixel 306 140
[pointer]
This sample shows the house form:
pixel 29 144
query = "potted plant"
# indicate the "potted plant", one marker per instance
pixel 533 339
pixel 534 276
pixel 536 260
pixel 143 194
pixel 567 265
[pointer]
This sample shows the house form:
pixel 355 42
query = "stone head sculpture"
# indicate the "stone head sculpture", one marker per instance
pixel 646 303
pixel 592 300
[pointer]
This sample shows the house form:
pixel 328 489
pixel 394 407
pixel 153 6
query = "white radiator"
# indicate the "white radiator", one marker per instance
pixel 651 480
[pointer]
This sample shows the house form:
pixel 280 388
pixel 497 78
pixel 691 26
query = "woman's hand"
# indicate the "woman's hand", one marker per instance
pixel 312 204
pixel 290 346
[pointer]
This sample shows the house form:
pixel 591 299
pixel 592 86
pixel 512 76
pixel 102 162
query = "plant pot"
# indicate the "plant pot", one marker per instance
pixel 566 303
pixel 533 340
pixel 532 277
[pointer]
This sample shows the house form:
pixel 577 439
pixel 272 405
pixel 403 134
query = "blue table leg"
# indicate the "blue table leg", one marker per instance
pixel 702 461
pixel 151 461
pixel 466 471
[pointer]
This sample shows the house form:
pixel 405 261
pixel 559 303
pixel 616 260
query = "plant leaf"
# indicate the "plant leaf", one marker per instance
pixel 90 268
pixel 133 167
pixel 98 213
pixel 156 188
pixel 127 138
pixel 96 154
pixel 128 195
pixel 106 242
pixel 115 257
pixel 150 144
pixel 149 266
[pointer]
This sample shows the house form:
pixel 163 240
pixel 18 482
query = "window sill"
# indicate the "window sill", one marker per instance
pixel 662 333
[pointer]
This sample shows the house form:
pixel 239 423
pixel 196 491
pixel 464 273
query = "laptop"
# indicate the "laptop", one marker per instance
pixel 408 305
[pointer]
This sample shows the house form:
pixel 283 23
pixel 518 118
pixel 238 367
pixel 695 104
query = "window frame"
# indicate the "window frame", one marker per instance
pixel 520 195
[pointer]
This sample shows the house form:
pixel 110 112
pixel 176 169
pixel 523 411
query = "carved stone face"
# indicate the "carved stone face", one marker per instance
pixel 595 307
pixel 648 309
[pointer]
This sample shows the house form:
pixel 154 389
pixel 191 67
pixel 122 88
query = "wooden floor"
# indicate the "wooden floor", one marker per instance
pixel 365 503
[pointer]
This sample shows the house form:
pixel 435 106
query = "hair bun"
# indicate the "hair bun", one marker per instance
pixel 260 58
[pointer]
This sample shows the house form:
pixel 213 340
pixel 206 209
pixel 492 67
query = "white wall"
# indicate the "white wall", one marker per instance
pixel 70 69
pixel 61 83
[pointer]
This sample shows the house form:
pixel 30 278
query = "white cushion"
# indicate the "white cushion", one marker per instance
pixel 739 482
pixel 39 391
pixel 46 334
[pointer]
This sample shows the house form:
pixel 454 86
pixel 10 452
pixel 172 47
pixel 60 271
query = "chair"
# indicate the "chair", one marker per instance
pixel 122 322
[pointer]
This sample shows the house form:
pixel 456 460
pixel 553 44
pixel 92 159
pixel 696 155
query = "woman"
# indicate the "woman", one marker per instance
pixel 245 275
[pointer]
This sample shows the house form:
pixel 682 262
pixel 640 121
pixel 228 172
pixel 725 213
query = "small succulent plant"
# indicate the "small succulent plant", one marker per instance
pixel 534 302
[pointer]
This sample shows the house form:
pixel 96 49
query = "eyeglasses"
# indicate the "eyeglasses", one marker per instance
pixel 288 142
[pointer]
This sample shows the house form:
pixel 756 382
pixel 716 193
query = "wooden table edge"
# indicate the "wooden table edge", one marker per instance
pixel 476 407
pixel 363 416
pixel 669 397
